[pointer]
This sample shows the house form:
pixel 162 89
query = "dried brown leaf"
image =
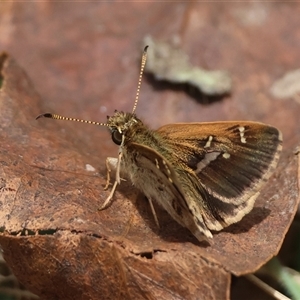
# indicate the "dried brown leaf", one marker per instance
pixel 55 240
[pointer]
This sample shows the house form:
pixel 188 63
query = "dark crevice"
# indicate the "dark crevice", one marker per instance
pixel 28 232
pixel 3 57
pixel 149 254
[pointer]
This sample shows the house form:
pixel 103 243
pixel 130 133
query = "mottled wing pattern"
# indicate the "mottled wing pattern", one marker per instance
pixel 167 189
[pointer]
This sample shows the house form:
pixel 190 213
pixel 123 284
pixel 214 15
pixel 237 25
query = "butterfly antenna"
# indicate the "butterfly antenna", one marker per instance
pixel 58 117
pixel 144 58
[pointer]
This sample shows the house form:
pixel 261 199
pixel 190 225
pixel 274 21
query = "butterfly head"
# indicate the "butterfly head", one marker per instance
pixel 122 125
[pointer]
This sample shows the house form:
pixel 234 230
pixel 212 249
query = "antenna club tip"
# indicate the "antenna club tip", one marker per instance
pixel 46 115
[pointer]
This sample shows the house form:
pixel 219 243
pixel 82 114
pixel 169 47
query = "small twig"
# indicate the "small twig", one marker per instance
pixel 265 287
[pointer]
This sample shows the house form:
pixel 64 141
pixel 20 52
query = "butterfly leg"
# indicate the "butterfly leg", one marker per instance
pixel 111 163
pixel 118 178
pixel 109 198
pixel 115 163
pixel 153 212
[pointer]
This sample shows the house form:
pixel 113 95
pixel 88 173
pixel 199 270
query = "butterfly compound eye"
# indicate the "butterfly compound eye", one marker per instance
pixel 116 137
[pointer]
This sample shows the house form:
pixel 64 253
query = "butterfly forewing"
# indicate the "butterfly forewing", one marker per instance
pixel 226 168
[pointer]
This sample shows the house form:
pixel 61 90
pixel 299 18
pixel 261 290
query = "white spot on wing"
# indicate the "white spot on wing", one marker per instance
pixel 242 132
pixel 226 155
pixel 208 143
pixel 211 156
pixel 167 168
pixel 156 162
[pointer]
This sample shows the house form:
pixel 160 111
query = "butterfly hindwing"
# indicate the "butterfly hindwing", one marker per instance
pixel 164 186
